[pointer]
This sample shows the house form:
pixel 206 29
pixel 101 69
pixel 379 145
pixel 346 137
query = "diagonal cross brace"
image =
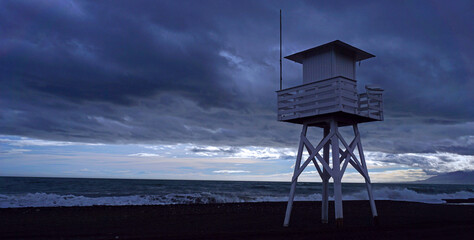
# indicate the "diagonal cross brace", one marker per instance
pixel 349 151
pixel 310 150
pixel 313 154
pixel 358 168
pixel 316 151
pixel 318 156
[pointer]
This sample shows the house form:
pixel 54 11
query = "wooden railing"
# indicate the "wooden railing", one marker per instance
pixel 327 96
pixel 371 103
pixel 317 98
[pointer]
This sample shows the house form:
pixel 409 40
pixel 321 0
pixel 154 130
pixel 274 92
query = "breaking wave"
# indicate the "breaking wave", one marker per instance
pixel 56 200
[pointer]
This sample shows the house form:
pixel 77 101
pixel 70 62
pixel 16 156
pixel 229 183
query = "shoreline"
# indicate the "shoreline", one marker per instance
pixel 453 201
pixel 263 220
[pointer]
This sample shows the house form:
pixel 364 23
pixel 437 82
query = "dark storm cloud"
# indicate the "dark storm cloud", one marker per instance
pixel 104 53
pixel 205 71
pixel 214 150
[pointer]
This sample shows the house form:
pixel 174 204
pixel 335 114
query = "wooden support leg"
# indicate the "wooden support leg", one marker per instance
pixel 337 176
pixel 293 183
pixel 325 179
pixel 290 203
pixel 367 178
pixel 338 202
pixel 325 201
pixel 372 202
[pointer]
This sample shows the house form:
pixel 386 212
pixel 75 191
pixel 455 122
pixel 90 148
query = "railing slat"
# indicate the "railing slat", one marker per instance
pixel 330 95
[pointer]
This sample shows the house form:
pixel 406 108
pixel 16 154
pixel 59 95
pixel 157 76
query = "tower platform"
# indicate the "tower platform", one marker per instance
pixel 334 98
pixel 323 120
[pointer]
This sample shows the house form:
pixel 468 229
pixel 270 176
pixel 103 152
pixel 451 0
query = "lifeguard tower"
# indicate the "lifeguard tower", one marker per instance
pixel 328 99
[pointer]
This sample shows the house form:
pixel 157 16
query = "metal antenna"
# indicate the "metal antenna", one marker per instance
pixel 281 80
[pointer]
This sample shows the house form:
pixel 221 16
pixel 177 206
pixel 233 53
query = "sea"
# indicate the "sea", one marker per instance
pixel 18 192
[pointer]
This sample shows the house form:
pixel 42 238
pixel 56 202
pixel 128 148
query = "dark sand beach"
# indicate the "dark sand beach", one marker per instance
pixel 397 220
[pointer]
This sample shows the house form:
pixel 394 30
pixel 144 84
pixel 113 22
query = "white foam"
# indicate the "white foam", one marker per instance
pixel 410 195
pixel 55 200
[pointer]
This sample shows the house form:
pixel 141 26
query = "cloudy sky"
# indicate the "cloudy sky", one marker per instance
pixel 186 89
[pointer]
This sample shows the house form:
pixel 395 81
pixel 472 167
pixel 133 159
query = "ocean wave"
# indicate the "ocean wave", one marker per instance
pixel 56 200
pixel 404 194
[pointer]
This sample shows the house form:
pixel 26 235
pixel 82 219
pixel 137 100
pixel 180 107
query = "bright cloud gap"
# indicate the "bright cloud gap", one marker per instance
pixel 201 161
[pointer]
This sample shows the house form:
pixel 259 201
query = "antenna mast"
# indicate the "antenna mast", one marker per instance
pixel 280 55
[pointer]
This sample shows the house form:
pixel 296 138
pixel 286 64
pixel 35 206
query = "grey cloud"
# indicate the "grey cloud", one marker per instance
pixel 229 150
pixel 432 164
pixel 165 71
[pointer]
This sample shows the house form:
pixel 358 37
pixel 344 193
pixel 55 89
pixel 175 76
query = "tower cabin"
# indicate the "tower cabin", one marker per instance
pixel 329 88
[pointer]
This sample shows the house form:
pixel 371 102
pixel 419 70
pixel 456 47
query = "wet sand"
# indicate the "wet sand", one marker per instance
pixel 397 220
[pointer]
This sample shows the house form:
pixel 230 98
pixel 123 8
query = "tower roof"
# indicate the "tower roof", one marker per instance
pixel 337 44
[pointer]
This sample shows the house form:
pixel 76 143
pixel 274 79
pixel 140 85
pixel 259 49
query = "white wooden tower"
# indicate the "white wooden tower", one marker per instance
pixel 328 99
